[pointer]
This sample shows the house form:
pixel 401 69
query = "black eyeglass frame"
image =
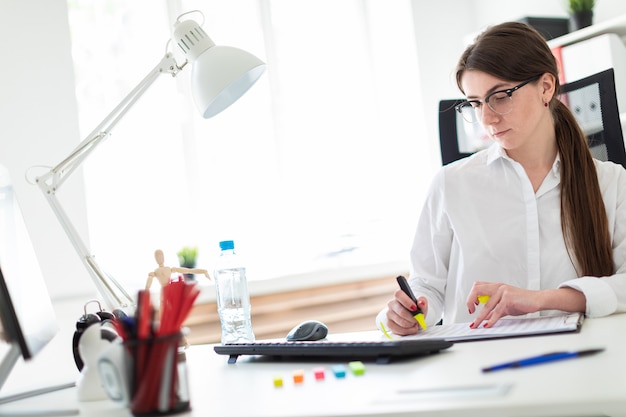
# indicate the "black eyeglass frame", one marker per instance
pixel 508 91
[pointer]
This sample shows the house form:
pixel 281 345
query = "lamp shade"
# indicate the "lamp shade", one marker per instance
pixel 219 74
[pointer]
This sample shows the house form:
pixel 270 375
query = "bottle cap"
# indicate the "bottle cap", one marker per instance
pixel 227 245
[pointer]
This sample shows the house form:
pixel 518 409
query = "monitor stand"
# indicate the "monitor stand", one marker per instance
pixel 6 366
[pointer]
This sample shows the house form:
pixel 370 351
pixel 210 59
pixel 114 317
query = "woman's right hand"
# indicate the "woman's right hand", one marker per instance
pixel 399 313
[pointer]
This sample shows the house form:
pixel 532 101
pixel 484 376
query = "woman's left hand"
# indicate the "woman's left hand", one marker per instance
pixel 504 300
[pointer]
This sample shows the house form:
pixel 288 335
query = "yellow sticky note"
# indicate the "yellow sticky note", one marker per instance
pixel 482 299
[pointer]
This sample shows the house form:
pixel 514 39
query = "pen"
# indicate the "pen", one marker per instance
pixel 547 357
pixel 418 315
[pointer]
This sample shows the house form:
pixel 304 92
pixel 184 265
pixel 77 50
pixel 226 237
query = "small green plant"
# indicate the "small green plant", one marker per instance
pixel 581 5
pixel 187 256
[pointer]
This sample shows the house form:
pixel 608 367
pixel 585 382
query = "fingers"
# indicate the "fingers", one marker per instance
pixel 482 314
pixel 422 304
pixel 487 315
pixel 400 325
pixel 487 294
pixel 405 300
pixel 479 291
pixel 400 313
pixel 503 300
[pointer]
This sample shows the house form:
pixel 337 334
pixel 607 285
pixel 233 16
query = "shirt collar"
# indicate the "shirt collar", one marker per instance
pixel 495 152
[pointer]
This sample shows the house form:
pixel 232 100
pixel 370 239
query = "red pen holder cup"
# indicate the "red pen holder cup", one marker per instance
pixel 159 384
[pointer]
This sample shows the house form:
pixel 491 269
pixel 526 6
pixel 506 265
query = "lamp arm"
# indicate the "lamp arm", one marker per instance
pixel 49 183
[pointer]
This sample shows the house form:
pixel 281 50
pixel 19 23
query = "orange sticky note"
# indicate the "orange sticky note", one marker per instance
pixel 298 376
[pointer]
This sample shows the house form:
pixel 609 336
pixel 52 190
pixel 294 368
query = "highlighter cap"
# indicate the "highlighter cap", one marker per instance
pixel 420 319
pixel 227 245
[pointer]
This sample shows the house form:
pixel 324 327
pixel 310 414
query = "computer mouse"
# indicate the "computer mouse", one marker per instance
pixel 308 330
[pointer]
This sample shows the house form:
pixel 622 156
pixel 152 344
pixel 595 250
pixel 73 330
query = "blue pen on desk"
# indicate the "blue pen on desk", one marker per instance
pixel 548 357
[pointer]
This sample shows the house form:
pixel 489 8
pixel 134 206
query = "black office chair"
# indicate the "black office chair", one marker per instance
pixel 592 100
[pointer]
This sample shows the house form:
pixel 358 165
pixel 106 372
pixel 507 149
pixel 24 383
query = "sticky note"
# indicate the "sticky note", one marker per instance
pixel 339 371
pixel 298 376
pixel 319 373
pixel 278 381
pixel 357 367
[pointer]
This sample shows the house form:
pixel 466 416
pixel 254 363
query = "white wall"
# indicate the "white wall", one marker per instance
pixel 38 112
pixel 39 126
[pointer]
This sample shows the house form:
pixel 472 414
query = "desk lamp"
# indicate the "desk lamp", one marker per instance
pixel 220 76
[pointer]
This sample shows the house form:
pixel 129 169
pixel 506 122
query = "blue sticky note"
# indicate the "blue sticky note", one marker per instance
pixel 339 371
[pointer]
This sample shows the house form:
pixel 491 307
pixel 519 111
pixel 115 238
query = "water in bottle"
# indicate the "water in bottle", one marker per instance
pixel 233 299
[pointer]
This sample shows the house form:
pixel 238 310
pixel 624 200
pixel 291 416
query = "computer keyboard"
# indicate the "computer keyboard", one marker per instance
pixel 378 351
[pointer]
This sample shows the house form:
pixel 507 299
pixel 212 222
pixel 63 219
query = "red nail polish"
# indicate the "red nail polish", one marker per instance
pixel 413 308
pixel 471 325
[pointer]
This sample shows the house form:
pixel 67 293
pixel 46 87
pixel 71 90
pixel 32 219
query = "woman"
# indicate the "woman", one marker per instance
pixel 533 222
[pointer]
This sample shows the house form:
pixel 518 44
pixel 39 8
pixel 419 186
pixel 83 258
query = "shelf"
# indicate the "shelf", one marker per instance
pixel 616 25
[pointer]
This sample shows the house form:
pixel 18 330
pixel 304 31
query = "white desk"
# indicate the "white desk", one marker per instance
pixel 445 384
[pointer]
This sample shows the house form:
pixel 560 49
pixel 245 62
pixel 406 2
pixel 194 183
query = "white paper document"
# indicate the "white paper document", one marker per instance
pixel 505 327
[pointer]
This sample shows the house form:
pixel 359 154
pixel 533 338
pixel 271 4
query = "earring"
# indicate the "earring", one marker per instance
pixel 545 104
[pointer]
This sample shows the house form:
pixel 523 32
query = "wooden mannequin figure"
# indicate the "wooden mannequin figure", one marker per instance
pixel 164 273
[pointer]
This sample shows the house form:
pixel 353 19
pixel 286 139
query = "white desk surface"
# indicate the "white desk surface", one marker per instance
pixel 446 384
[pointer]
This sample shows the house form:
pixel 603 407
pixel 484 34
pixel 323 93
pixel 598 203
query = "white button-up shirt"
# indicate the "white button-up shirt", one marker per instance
pixel 482 221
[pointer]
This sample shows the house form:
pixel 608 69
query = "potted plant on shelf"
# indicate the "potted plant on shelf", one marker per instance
pixel 187 258
pixel 581 13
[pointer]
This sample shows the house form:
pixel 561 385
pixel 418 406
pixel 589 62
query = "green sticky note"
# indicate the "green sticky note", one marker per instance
pixel 357 367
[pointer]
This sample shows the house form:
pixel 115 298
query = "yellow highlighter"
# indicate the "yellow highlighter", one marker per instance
pixel 418 315
pixel 482 299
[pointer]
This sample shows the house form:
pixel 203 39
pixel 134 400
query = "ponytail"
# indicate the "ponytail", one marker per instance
pixel 583 215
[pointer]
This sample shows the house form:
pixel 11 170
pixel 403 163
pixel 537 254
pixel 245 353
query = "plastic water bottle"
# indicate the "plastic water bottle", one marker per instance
pixel 233 299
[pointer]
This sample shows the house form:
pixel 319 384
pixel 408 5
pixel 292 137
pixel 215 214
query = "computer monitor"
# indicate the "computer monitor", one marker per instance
pixel 593 101
pixel 458 138
pixel 26 312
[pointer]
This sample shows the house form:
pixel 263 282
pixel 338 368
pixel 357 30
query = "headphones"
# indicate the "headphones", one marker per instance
pixel 104 318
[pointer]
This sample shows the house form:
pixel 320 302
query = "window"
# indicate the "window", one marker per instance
pixel 317 168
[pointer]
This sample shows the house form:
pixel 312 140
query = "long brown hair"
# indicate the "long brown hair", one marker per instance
pixel 516 52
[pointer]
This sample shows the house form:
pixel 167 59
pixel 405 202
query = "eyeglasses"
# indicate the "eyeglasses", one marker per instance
pixel 501 102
